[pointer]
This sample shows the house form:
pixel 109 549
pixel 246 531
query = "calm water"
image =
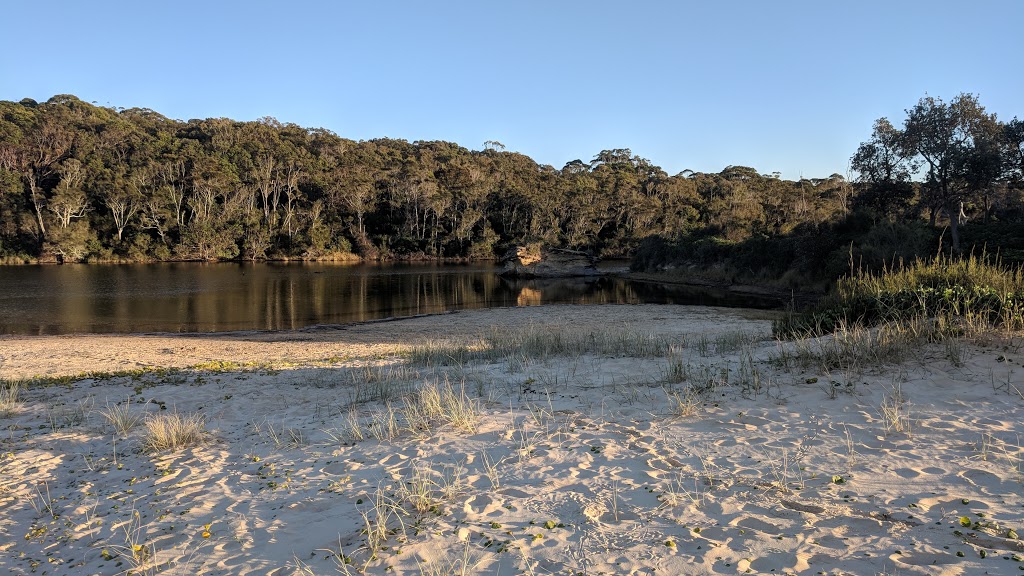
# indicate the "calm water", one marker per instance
pixel 194 297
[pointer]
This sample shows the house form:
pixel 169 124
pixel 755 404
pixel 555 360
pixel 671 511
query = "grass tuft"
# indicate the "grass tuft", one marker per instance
pixel 121 417
pixel 9 398
pixel 895 411
pixel 685 403
pixel 173 431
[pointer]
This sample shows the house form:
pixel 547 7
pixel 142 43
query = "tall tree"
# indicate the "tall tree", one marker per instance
pixel 884 166
pixel 948 137
pixel 36 158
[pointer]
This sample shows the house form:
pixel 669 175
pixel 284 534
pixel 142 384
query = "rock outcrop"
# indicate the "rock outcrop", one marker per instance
pixel 541 262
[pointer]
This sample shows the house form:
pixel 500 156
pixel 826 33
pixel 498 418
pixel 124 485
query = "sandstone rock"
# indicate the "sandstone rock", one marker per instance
pixel 534 261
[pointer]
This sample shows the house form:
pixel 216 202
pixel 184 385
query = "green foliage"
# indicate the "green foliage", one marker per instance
pixel 80 182
pixel 88 183
pixel 960 291
pixel 807 257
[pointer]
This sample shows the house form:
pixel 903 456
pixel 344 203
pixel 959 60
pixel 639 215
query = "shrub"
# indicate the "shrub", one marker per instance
pixel 946 288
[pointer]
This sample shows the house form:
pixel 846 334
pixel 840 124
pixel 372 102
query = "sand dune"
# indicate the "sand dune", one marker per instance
pixel 604 440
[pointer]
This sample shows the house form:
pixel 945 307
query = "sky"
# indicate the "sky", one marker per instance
pixel 781 86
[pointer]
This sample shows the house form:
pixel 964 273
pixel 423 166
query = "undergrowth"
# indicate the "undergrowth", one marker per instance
pixel 953 291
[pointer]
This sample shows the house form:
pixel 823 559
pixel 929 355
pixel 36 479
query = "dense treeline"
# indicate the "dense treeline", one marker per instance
pixel 82 182
pixel 952 178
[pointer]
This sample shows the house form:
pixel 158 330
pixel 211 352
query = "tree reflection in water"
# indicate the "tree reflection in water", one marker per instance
pixel 195 297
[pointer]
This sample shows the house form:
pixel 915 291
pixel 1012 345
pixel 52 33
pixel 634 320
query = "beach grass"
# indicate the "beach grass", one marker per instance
pixel 9 397
pixel 173 431
pixel 955 293
pixel 538 343
pixel 121 417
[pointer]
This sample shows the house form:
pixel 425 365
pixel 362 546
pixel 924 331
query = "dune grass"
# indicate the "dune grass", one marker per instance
pixel 955 293
pixel 121 417
pixel 173 431
pixel 9 397
pixel 539 343
pixel 543 342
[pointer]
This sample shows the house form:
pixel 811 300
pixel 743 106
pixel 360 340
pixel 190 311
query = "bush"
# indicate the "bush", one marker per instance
pixel 948 288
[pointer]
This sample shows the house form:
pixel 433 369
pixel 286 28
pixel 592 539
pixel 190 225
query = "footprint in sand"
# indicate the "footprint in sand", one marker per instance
pixel 924 559
pixel 758 525
pixel 393 459
pixel 482 505
pixel 514 493
pixel 337 468
pixel 582 473
pixel 832 541
pixel 908 473
pixel 980 478
pixel 782 562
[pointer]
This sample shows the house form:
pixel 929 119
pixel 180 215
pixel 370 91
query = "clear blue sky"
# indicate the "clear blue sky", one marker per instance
pixel 781 86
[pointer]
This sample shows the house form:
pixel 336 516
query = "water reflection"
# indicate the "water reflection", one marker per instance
pixel 193 297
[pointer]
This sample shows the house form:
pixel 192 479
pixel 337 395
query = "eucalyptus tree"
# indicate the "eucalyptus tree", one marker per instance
pixel 38 140
pixel 584 210
pixel 950 139
pixel 884 165
pixel 731 205
pixel 514 194
pixel 680 205
pixel 68 201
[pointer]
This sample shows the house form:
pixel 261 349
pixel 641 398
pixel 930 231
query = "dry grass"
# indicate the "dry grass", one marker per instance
pixel 542 342
pixel 9 398
pixel 895 411
pixel 685 403
pixel 173 431
pixel 121 417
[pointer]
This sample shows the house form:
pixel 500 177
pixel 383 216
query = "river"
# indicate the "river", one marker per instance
pixel 198 297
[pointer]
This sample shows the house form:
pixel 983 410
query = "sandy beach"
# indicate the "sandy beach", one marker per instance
pixel 539 440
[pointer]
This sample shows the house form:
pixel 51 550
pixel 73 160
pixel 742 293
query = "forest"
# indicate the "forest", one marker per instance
pixel 85 183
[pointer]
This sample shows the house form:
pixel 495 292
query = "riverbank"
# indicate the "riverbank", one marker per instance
pixel 337 257
pixel 627 439
pixel 782 298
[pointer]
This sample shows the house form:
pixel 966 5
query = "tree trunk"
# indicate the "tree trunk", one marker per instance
pixel 954 225
pixel 37 203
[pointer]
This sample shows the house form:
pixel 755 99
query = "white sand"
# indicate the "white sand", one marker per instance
pixel 594 472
